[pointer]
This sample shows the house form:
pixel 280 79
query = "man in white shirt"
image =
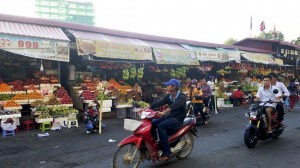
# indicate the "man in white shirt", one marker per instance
pixel 285 94
pixel 264 94
pixel 211 84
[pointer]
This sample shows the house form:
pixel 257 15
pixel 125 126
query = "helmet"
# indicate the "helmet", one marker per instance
pixel 194 81
pixel 211 77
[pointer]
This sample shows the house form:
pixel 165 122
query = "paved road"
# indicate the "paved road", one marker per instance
pixel 220 144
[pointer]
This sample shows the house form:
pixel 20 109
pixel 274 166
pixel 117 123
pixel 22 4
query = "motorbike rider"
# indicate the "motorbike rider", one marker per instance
pixel 195 95
pixel 265 93
pixel 171 118
pixel 285 94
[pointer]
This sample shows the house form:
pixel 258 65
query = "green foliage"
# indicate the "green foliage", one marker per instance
pixel 297 41
pixel 271 35
pixel 230 41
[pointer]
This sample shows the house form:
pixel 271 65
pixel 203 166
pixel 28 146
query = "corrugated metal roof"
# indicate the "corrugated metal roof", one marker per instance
pixel 268 41
pixel 32 30
pixel 140 36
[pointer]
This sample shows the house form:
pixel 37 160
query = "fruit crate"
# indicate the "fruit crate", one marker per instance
pixel 10 116
pixel 87 101
pixel 41 120
pixel 6 93
pixel 13 108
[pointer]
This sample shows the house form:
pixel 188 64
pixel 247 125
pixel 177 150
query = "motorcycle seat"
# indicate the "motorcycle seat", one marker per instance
pixel 186 121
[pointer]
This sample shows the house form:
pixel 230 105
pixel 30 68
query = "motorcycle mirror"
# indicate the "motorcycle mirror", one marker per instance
pixel 275 91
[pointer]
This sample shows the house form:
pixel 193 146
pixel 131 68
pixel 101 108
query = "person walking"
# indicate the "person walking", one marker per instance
pixel 294 92
pixel 206 93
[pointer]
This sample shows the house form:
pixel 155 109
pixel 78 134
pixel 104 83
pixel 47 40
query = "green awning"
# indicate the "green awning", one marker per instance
pixel 214 54
pixel 258 57
pixel 175 57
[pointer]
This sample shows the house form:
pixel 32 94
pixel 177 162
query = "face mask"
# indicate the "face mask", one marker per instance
pixel 193 85
pixel 94 108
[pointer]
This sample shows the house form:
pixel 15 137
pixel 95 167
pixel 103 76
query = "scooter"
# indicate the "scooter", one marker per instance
pixel 142 146
pixel 257 127
pixel 199 119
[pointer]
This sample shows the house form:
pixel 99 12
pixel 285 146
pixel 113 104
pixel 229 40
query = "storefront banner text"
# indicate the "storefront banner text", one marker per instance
pixel 36 47
pixel 259 57
pixel 113 50
pixel 175 57
pixel 221 55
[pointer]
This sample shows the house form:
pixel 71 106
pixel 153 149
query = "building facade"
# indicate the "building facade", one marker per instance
pixel 74 11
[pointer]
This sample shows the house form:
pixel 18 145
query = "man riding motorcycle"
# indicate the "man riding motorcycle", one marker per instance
pixel 285 94
pixel 264 94
pixel 171 118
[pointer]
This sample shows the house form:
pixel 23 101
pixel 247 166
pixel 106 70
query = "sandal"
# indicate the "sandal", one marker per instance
pixel 164 158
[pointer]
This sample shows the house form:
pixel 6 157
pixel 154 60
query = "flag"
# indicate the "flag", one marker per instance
pixel 251 23
pixel 262 26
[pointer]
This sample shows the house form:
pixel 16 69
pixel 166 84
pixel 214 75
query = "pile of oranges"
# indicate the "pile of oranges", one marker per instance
pixel 11 103
pixel 4 88
pixel 35 95
pixel 21 96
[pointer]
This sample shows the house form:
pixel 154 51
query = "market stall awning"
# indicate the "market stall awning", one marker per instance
pixel 174 54
pixel 259 57
pixel 214 54
pixel 43 42
pixel 108 46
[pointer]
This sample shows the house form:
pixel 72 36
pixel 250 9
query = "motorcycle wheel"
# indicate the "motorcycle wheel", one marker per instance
pixel 188 148
pixel 127 156
pixel 250 138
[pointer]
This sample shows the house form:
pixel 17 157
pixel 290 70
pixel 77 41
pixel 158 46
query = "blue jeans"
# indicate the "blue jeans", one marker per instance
pixel 165 127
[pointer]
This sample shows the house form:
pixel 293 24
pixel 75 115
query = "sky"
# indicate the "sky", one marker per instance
pixel 211 21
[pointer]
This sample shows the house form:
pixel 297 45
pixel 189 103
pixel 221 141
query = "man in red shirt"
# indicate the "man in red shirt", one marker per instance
pixel 237 95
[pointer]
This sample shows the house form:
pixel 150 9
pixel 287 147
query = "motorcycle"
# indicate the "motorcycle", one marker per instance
pixel 199 119
pixel 142 146
pixel 257 127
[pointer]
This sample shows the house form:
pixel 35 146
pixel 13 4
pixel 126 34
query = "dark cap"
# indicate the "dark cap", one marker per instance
pixel 173 82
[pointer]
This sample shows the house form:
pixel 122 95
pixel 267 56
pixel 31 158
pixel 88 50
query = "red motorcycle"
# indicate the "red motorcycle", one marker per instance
pixel 141 146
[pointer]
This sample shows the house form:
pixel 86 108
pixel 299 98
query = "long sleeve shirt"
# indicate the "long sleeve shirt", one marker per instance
pixel 283 88
pixel 177 106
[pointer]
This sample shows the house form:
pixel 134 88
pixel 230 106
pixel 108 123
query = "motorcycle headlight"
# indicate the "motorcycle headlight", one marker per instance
pixel 252 114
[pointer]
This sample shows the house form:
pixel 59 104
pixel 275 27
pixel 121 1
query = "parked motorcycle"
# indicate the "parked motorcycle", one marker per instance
pixel 142 146
pixel 199 119
pixel 257 127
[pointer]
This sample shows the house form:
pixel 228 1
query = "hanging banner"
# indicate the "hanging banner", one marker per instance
pixel 175 57
pixel 215 55
pixel 259 57
pixel 113 50
pixel 36 47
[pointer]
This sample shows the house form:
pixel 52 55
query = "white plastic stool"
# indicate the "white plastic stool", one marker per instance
pixel 72 123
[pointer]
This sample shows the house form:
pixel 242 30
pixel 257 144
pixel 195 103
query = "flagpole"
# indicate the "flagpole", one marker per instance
pixel 251 27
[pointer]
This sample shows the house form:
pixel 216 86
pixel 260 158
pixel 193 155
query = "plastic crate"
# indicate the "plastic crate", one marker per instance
pixel 121 112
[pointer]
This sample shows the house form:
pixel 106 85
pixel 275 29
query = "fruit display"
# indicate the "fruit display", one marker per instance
pixel 4 88
pixel 4 97
pixel 1 81
pixel 44 115
pixel 35 95
pixel 21 96
pixel 91 86
pixel 140 104
pixel 87 78
pixel 53 101
pixel 172 73
pixel 8 112
pixel 140 73
pixel 53 79
pixel 102 96
pixel 63 94
pixel 38 103
pixel 32 87
pixel 44 79
pixel 18 85
pixel 132 73
pixel 41 108
pixel 29 82
pixel 87 95
pixel 60 110
pixel 125 74
pixel 11 103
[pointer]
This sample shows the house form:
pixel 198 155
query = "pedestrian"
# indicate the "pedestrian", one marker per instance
pixel 91 118
pixel 211 83
pixel 195 96
pixel 237 95
pixel 294 94
pixel 206 93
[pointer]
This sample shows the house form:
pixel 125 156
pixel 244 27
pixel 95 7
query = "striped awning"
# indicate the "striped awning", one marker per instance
pixel 36 41
pixel 108 46
pixel 31 30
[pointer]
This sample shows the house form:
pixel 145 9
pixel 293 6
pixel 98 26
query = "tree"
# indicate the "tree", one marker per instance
pixel 297 41
pixel 230 41
pixel 271 35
